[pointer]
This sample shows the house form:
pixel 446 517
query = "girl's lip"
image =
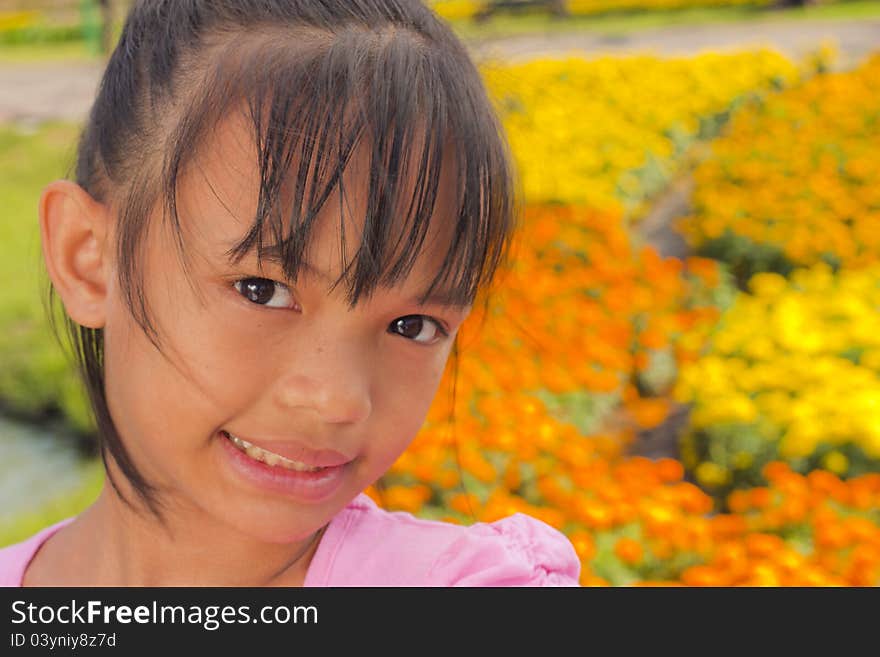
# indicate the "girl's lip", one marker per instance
pixel 307 486
pixel 297 451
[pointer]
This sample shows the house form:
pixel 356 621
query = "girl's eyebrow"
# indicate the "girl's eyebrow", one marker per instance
pixel 443 298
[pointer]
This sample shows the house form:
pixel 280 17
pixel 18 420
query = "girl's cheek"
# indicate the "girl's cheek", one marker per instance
pixel 226 352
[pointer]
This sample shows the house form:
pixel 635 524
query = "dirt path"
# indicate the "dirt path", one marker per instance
pixel 855 39
pixel 36 92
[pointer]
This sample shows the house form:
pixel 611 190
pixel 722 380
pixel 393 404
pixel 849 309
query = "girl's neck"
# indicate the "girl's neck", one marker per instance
pixel 110 545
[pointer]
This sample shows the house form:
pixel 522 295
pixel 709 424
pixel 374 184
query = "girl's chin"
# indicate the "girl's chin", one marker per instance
pixel 270 521
pixel 275 533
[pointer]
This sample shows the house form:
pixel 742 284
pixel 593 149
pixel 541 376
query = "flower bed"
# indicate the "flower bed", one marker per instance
pixel 793 182
pixel 615 130
pixel 550 441
pixel 465 9
pixel 792 373
pixel 581 322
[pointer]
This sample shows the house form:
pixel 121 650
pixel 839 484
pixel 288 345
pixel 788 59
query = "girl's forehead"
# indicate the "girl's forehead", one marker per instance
pixel 220 192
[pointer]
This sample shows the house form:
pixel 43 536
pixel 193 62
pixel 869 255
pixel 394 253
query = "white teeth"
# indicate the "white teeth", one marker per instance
pixel 269 458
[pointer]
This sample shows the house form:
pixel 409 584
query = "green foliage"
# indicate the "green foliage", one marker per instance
pixel 584 409
pixel 36 376
pixel 745 257
pixel 741 450
pixel 41 34
pixel 660 374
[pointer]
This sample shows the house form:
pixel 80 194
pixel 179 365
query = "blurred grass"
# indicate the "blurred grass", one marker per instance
pixel 38 53
pixel 36 378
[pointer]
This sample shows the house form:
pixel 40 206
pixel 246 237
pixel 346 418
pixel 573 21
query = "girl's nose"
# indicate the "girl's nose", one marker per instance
pixel 332 382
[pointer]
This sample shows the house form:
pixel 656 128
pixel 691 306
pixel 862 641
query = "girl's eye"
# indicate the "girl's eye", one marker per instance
pixel 263 290
pixel 418 328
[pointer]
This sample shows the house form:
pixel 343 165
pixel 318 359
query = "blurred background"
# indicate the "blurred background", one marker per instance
pixel 680 370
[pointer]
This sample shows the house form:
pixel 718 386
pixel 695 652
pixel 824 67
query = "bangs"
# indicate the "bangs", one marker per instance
pixel 312 102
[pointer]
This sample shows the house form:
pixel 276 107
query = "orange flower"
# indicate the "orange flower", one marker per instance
pixel 465 503
pixel 862 497
pixel 723 526
pixel 762 574
pixel 704 268
pixel 739 501
pixel 553 517
pixel 731 557
pixel 594 514
pixel 692 500
pixel 825 482
pixel 828 561
pixel 793 508
pixel 861 530
pixel 512 476
pixel 652 338
pixel 659 518
pixel 589 579
pixel 669 470
pixel 447 479
pixel 657 583
pixel 760 497
pixel 776 470
pixel 830 536
pixel 583 543
pixel 702 576
pixel 406 498
pixel 763 545
pixel 649 413
pixel 628 550
pixel 374 494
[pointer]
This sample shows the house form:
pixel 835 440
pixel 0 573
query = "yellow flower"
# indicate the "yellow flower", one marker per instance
pixel 768 285
pixel 712 475
pixel 599 131
pixel 836 462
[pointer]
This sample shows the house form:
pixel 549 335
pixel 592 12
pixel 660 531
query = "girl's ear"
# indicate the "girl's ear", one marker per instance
pixel 73 230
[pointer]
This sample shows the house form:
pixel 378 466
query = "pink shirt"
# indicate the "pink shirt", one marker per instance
pixel 365 545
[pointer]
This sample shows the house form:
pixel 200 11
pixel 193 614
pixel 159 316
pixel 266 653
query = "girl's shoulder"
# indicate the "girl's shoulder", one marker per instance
pixel 369 546
pixel 14 559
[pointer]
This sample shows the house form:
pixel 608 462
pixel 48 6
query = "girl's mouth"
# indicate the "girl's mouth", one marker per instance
pixel 268 471
pixel 267 457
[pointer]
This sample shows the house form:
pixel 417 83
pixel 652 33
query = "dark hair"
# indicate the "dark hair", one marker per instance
pixel 341 72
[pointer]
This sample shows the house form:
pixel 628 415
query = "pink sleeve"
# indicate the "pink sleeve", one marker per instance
pixel 14 559
pixel 515 551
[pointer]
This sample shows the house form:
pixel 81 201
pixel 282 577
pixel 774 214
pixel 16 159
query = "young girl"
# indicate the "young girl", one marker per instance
pixel 283 212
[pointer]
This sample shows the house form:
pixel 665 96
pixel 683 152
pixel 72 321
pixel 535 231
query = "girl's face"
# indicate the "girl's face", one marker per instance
pixel 288 368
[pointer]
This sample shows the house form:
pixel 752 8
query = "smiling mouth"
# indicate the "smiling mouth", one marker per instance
pixel 267 457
